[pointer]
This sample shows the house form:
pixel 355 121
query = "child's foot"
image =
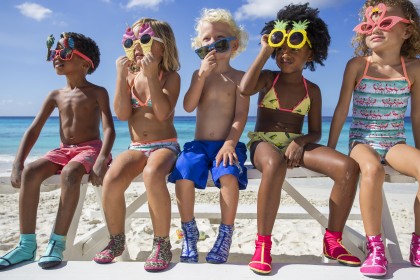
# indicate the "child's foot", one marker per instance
pixel 415 250
pixel 261 261
pixel 25 251
pixel 220 251
pixel 161 255
pixel 189 252
pixel 376 262
pixel 334 249
pixel 54 254
pixel 114 249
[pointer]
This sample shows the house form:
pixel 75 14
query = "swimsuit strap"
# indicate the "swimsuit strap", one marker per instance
pixel 148 98
pixel 405 71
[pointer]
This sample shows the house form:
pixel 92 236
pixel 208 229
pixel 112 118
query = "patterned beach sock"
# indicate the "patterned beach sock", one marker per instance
pixel 189 252
pixel 220 251
pixel 25 251
pixel 335 250
pixel 415 250
pixel 376 262
pixel 114 249
pixel 161 255
pixel 261 260
pixel 53 256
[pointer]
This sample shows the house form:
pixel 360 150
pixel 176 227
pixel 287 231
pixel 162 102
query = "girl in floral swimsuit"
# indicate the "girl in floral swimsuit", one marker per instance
pixel 297 40
pixel 381 79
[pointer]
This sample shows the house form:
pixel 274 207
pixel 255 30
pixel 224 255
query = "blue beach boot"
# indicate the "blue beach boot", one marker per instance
pixel 25 251
pixel 54 254
pixel 189 252
pixel 220 251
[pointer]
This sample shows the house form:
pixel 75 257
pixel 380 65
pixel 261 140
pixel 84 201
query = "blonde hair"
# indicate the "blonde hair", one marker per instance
pixel 224 16
pixel 170 60
pixel 411 46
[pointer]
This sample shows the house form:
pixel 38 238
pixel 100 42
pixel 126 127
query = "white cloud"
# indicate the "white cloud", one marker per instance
pixel 34 11
pixel 265 8
pixel 148 4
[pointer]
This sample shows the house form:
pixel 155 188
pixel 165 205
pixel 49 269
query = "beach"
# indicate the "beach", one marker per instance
pixel 294 241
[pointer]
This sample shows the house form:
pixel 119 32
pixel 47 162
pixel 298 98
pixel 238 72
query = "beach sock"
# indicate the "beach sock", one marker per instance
pixel 261 260
pixel 335 250
pixel 53 256
pixel 415 250
pixel 376 262
pixel 161 255
pixel 25 251
pixel 220 251
pixel 189 253
pixel 114 249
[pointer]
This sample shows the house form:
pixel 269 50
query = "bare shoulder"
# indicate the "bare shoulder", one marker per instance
pixel 313 89
pixel 171 75
pixel 357 63
pixel 413 69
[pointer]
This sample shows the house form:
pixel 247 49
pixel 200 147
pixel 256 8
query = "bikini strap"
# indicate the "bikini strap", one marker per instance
pixel 364 71
pixel 306 86
pixel 275 80
pixel 405 71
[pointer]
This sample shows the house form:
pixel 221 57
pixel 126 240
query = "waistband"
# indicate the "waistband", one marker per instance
pixel 173 140
pixel 87 143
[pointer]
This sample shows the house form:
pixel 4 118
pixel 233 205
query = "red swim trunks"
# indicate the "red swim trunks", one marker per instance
pixel 85 153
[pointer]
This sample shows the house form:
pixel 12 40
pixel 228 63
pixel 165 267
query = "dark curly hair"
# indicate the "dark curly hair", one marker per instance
pixel 88 47
pixel 411 46
pixel 317 30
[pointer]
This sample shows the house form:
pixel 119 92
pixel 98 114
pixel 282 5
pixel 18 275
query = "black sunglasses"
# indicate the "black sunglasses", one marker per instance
pixel 220 46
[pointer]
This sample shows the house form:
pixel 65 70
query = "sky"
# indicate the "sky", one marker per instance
pixel 26 78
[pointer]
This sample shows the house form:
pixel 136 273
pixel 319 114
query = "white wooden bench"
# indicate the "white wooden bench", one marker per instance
pixel 90 243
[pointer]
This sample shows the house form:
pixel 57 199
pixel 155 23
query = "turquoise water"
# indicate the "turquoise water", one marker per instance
pixel 13 128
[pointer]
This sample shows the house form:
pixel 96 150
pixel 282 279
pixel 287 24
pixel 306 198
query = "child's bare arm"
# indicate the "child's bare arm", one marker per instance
pixel 164 99
pixel 193 95
pixel 122 100
pixel 30 137
pixel 342 109
pixel 254 80
pixel 227 153
pixel 100 167
pixel 415 104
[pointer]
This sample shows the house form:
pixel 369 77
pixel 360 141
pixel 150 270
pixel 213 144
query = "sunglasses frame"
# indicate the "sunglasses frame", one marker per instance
pixel 52 54
pixel 212 46
pixel 140 40
pixel 288 35
pixel 372 24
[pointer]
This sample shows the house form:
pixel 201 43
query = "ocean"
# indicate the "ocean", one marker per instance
pixel 13 128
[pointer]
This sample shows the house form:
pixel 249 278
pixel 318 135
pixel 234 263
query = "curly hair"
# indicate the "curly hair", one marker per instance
pixel 411 46
pixel 170 60
pixel 221 15
pixel 88 47
pixel 317 30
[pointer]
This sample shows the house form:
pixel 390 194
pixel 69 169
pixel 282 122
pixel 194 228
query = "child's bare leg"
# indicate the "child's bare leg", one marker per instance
pixel 158 167
pixel 371 183
pixel 71 176
pixel 271 163
pixel 185 196
pixel 398 157
pixel 229 198
pixel 32 177
pixel 344 171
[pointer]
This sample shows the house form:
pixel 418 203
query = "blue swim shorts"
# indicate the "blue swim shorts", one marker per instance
pixel 198 157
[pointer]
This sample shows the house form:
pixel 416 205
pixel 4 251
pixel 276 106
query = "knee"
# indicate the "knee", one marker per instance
pixel 372 171
pixel 71 176
pixel 151 173
pixel 273 165
pixel 30 172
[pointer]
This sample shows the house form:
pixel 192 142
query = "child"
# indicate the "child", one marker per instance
pixel 81 106
pixel 221 117
pixel 296 40
pixel 146 98
pixel 382 78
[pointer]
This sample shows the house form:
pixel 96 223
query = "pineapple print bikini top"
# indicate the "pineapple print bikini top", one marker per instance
pixel 271 101
pixel 135 101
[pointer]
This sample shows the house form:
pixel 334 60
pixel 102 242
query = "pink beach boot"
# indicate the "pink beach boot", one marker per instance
pixel 415 250
pixel 114 249
pixel 161 255
pixel 261 261
pixel 376 262
pixel 335 250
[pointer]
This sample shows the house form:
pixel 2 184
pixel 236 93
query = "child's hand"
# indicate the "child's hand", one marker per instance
pixel 15 177
pixel 264 44
pixel 207 64
pixel 123 64
pixel 150 65
pixel 293 154
pixel 226 154
pixel 97 173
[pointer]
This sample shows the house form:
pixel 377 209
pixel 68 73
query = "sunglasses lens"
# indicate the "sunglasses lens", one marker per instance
pixel 145 38
pixel 202 52
pixel 221 45
pixel 128 43
pixel 51 55
pixel 66 54
pixel 296 38
pixel 276 37
pixel 385 23
pixel 366 27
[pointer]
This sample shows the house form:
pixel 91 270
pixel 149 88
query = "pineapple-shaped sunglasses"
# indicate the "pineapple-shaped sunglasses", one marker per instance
pixel 296 38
